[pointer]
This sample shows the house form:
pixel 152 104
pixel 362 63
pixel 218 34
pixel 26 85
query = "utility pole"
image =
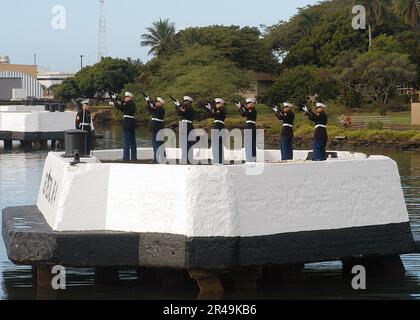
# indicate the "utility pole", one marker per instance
pixel 102 50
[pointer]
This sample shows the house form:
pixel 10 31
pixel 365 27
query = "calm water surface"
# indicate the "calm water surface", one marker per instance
pixel 20 175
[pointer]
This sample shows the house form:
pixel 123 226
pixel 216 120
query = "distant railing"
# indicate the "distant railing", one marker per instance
pixel 364 122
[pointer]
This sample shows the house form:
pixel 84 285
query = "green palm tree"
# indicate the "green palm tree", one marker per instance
pixel 159 37
pixel 192 36
pixel 376 12
pixel 409 10
pixel 308 21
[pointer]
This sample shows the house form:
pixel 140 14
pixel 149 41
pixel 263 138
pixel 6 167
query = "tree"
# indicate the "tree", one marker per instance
pixel 376 75
pixel 301 83
pixel 376 12
pixel 192 36
pixel 410 41
pixel 94 81
pixel 308 22
pixel 200 72
pixel 409 10
pixel 67 90
pixel 330 35
pixel 159 38
pixel 112 75
pixel 85 82
pixel 243 46
pixel 387 44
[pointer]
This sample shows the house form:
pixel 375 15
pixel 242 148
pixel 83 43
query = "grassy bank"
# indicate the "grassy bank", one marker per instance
pixel 401 136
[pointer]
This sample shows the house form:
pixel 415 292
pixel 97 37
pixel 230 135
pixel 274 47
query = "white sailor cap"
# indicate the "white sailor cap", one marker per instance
pixel 129 94
pixel 86 101
pixel 288 105
pixel 250 100
pixel 188 98
pixel 160 100
pixel 321 105
pixel 219 100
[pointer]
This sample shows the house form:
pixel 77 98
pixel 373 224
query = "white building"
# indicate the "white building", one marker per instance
pixel 48 79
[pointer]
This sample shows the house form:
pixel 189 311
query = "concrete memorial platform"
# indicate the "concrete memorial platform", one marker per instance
pixel 211 218
pixel 31 124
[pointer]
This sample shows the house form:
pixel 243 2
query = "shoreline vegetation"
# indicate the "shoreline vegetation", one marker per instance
pixel 401 136
pixel 315 56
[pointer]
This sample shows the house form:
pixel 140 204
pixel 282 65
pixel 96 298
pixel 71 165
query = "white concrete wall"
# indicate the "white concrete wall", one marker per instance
pixel 21 108
pixel 222 200
pixel 37 121
pixel 204 154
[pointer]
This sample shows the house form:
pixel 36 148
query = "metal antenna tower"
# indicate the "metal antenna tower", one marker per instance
pixel 102 52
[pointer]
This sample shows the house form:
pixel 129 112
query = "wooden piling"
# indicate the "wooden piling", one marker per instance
pixel 209 283
pixel 277 275
pixel 8 144
pixel 246 280
pixel 106 275
pixel 148 276
pixel 26 144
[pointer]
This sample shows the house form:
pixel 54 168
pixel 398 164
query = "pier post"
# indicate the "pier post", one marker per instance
pixel 8 144
pixel 44 277
pixel 385 266
pixel 43 144
pixel 106 275
pixel 209 283
pixel 26 144
pixel 40 145
pixel 61 145
pixel 53 144
pixel 148 276
pixel 246 280
pixel 173 279
pixel 277 275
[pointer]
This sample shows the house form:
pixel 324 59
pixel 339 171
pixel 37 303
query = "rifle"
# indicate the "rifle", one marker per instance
pixel 177 104
pixel 114 100
pixel 76 103
pixel 271 105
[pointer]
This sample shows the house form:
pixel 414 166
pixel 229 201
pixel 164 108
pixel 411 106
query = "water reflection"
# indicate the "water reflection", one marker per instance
pixel 20 175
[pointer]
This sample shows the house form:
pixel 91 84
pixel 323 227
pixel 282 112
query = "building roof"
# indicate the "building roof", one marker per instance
pixel 30 70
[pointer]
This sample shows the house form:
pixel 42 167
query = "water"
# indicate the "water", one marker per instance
pixel 20 175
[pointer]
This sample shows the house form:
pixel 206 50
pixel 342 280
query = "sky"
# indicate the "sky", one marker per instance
pixel 33 27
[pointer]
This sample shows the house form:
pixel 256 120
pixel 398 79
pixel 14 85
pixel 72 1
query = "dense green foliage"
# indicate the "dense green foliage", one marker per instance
pixel 94 82
pixel 316 55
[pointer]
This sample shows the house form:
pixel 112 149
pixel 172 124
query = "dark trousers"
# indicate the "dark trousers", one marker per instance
pixel 251 143
pixel 157 158
pixel 184 143
pixel 89 142
pixel 286 147
pixel 130 145
pixel 320 152
pixel 217 146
